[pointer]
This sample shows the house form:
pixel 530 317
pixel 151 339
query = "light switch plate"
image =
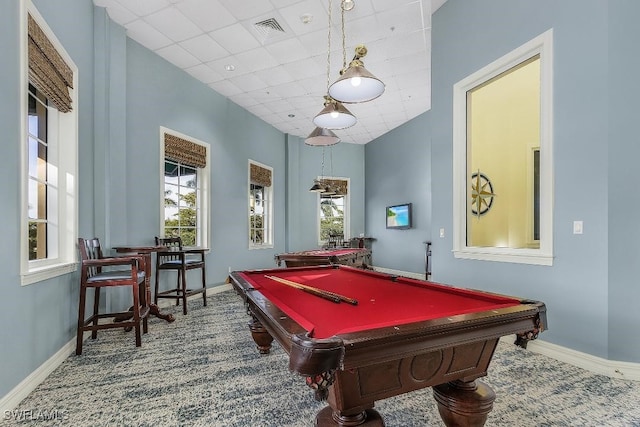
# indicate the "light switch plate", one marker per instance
pixel 577 227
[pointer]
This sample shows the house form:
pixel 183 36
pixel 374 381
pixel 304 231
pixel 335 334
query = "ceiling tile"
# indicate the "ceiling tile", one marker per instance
pixel 282 73
pixel 204 48
pixel 247 8
pixel 144 7
pixel 209 15
pixel 204 73
pixel 219 65
pixel 146 35
pixel 235 38
pixel 293 16
pixel 244 99
pixel 178 56
pixel 287 50
pixel 403 19
pixel 257 59
pixel 225 88
pixel 173 24
pixel 248 82
pixel 275 76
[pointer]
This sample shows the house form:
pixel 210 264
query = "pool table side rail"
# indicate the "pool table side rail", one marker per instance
pixel 355 349
pixel 356 258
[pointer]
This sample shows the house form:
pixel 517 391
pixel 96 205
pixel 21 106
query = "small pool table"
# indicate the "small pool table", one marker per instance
pixel 388 335
pixel 354 257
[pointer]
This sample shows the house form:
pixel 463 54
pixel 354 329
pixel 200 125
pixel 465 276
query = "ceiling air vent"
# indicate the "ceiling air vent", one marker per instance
pixel 268 29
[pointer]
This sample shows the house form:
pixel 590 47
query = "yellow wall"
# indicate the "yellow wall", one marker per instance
pixel 504 128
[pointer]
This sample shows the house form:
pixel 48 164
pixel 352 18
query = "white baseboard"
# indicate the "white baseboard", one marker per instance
pixel 419 276
pixel 597 365
pixel 22 390
pixel 165 302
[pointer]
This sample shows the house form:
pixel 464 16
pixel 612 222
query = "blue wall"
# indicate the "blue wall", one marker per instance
pixel 305 164
pixel 398 170
pixel 624 202
pixel 126 93
pixel 39 319
pixel 591 290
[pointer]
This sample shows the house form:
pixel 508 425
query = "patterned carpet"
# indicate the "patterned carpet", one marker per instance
pixel 203 370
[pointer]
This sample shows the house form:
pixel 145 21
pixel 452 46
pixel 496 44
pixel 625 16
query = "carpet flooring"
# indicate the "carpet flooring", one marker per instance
pixel 203 370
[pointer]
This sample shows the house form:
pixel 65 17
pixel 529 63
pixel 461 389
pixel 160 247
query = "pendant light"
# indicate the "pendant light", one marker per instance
pixel 356 83
pixel 318 184
pixel 334 115
pixel 322 136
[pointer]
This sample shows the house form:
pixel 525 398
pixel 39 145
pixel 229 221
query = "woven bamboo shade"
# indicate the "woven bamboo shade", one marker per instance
pixel 337 185
pixel 186 152
pixel 259 175
pixel 47 70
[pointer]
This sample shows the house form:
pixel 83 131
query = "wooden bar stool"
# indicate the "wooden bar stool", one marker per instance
pixel 93 276
pixel 180 260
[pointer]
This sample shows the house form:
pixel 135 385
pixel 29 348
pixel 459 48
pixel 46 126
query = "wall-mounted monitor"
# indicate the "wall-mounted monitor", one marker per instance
pixel 399 216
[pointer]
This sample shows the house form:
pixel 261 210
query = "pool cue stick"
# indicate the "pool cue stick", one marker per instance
pixel 313 291
pixel 332 296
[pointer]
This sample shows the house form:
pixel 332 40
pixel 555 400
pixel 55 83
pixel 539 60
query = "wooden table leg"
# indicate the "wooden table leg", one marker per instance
pixel 464 404
pixel 153 308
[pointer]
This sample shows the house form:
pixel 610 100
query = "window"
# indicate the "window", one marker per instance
pixel 185 193
pixel 503 160
pixel 333 209
pixel 49 153
pixel 260 206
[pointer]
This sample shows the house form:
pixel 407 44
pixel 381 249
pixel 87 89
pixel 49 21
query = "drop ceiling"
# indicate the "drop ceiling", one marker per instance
pixel 270 56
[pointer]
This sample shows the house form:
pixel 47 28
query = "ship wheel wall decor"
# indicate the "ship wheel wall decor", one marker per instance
pixel 481 194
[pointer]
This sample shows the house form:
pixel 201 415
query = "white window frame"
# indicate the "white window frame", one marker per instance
pixel 63 146
pixel 268 202
pixel 542 45
pixel 347 210
pixel 203 236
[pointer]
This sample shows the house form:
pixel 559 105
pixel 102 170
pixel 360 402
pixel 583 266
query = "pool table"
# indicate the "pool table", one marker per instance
pixel 387 335
pixel 354 257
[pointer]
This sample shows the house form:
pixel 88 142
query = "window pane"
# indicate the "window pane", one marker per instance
pixel 37 187
pixel 331 216
pixel 503 129
pixel 170 195
pixel 181 196
pixel 188 176
pixel 260 233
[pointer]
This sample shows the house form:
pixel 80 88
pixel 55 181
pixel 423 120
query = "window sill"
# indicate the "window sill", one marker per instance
pixel 48 272
pixel 252 247
pixel 525 257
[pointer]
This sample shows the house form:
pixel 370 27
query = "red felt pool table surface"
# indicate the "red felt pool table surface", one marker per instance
pixel 383 301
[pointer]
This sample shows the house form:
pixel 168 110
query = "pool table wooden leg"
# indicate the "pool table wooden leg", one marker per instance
pixel 369 418
pixel 260 336
pixel 464 404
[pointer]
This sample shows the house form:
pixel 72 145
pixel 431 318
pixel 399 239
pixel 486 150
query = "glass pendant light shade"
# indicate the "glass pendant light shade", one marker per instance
pixel 322 136
pixel 334 115
pixel 356 83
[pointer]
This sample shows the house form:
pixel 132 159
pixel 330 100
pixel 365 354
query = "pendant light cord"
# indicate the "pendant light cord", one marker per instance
pixel 329 48
pixel 344 41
